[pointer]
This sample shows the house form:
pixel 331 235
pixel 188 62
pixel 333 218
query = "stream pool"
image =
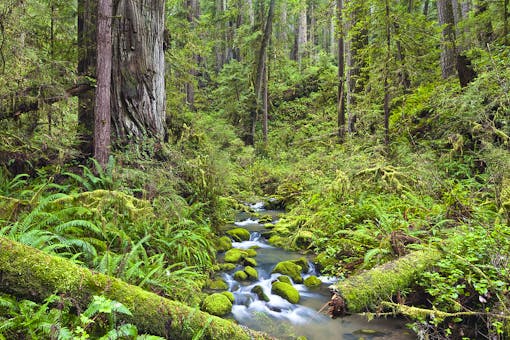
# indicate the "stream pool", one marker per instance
pixel 286 320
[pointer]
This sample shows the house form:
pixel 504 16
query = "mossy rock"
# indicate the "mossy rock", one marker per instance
pixel 239 234
pixel 312 281
pixel 265 219
pixel 260 293
pixel 224 243
pixel 240 275
pixel 250 261
pixel 235 255
pixel 227 266
pixel 217 304
pixel 286 291
pixel 251 252
pixel 277 240
pixel 251 272
pixel 230 296
pixel 291 269
pixel 303 262
pixel 303 239
pixel 217 284
pixel 284 278
pixel 269 226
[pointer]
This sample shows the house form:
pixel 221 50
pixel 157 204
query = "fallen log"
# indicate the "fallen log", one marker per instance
pixel 365 291
pixel 26 272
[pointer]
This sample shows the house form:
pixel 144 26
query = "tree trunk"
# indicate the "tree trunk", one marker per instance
pixel 259 76
pixel 29 273
pixel 193 15
pixel 87 25
pixel 426 8
pixel 138 103
pixel 251 13
pixel 365 291
pixel 265 104
pixel 505 22
pixel 386 104
pixel 448 49
pixel 301 34
pixel 102 113
pixel 357 41
pixel 341 73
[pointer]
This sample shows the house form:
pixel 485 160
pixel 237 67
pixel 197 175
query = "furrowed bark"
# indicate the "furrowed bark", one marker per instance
pixel 367 290
pixel 29 273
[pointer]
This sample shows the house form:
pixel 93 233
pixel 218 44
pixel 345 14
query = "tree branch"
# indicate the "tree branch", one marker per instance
pixel 14 104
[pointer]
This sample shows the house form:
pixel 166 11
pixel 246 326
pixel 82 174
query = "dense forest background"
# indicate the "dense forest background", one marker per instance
pixel 381 126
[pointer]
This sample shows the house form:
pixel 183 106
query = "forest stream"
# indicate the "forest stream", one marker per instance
pixel 283 319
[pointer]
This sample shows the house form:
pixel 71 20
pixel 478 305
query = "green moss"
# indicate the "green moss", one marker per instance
pixel 240 275
pixel 224 243
pixel 251 252
pixel 303 262
pixel 217 304
pixel 303 239
pixel 217 284
pixel 239 234
pixel 260 293
pixel 291 269
pixel 251 272
pixel 250 261
pixel 312 281
pixel 27 272
pixel 229 295
pixel 286 291
pixel 277 241
pixel 284 278
pixel 226 266
pixel 265 219
pixel 235 255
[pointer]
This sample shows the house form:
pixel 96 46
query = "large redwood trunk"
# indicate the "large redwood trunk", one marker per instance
pixel 138 83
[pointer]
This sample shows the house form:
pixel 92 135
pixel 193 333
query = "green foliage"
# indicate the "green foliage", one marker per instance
pixel 95 179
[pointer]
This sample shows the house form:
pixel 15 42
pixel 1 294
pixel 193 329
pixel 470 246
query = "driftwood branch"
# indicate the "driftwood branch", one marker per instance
pixel 15 104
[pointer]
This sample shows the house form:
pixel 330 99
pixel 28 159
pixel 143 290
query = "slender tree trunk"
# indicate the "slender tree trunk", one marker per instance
pixel 265 105
pixel 284 26
pixel 386 77
pixel 102 113
pixel 193 15
pixel 219 48
pixel 341 73
pixel 259 76
pixel 426 8
pixel 302 34
pixel 448 49
pixel 87 25
pixel 354 78
pixel 251 13
pixel 505 22
pixel 138 103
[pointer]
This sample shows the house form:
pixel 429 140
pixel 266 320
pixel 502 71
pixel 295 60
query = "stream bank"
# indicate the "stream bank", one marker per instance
pixel 278 316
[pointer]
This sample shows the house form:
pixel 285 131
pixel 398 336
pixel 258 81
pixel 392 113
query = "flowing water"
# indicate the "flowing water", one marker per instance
pixel 284 319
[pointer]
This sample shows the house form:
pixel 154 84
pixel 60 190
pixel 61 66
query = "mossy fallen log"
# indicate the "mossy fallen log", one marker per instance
pixel 29 273
pixel 365 291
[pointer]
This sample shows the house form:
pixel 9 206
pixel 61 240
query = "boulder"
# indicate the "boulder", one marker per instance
pixel 286 291
pixel 290 269
pixel 239 234
pixel 252 273
pixel 260 293
pixel 224 243
pixel 312 281
pixel 217 304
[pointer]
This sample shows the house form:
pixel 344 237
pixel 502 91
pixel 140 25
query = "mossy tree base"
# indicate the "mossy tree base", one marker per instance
pixel 29 273
pixel 365 291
